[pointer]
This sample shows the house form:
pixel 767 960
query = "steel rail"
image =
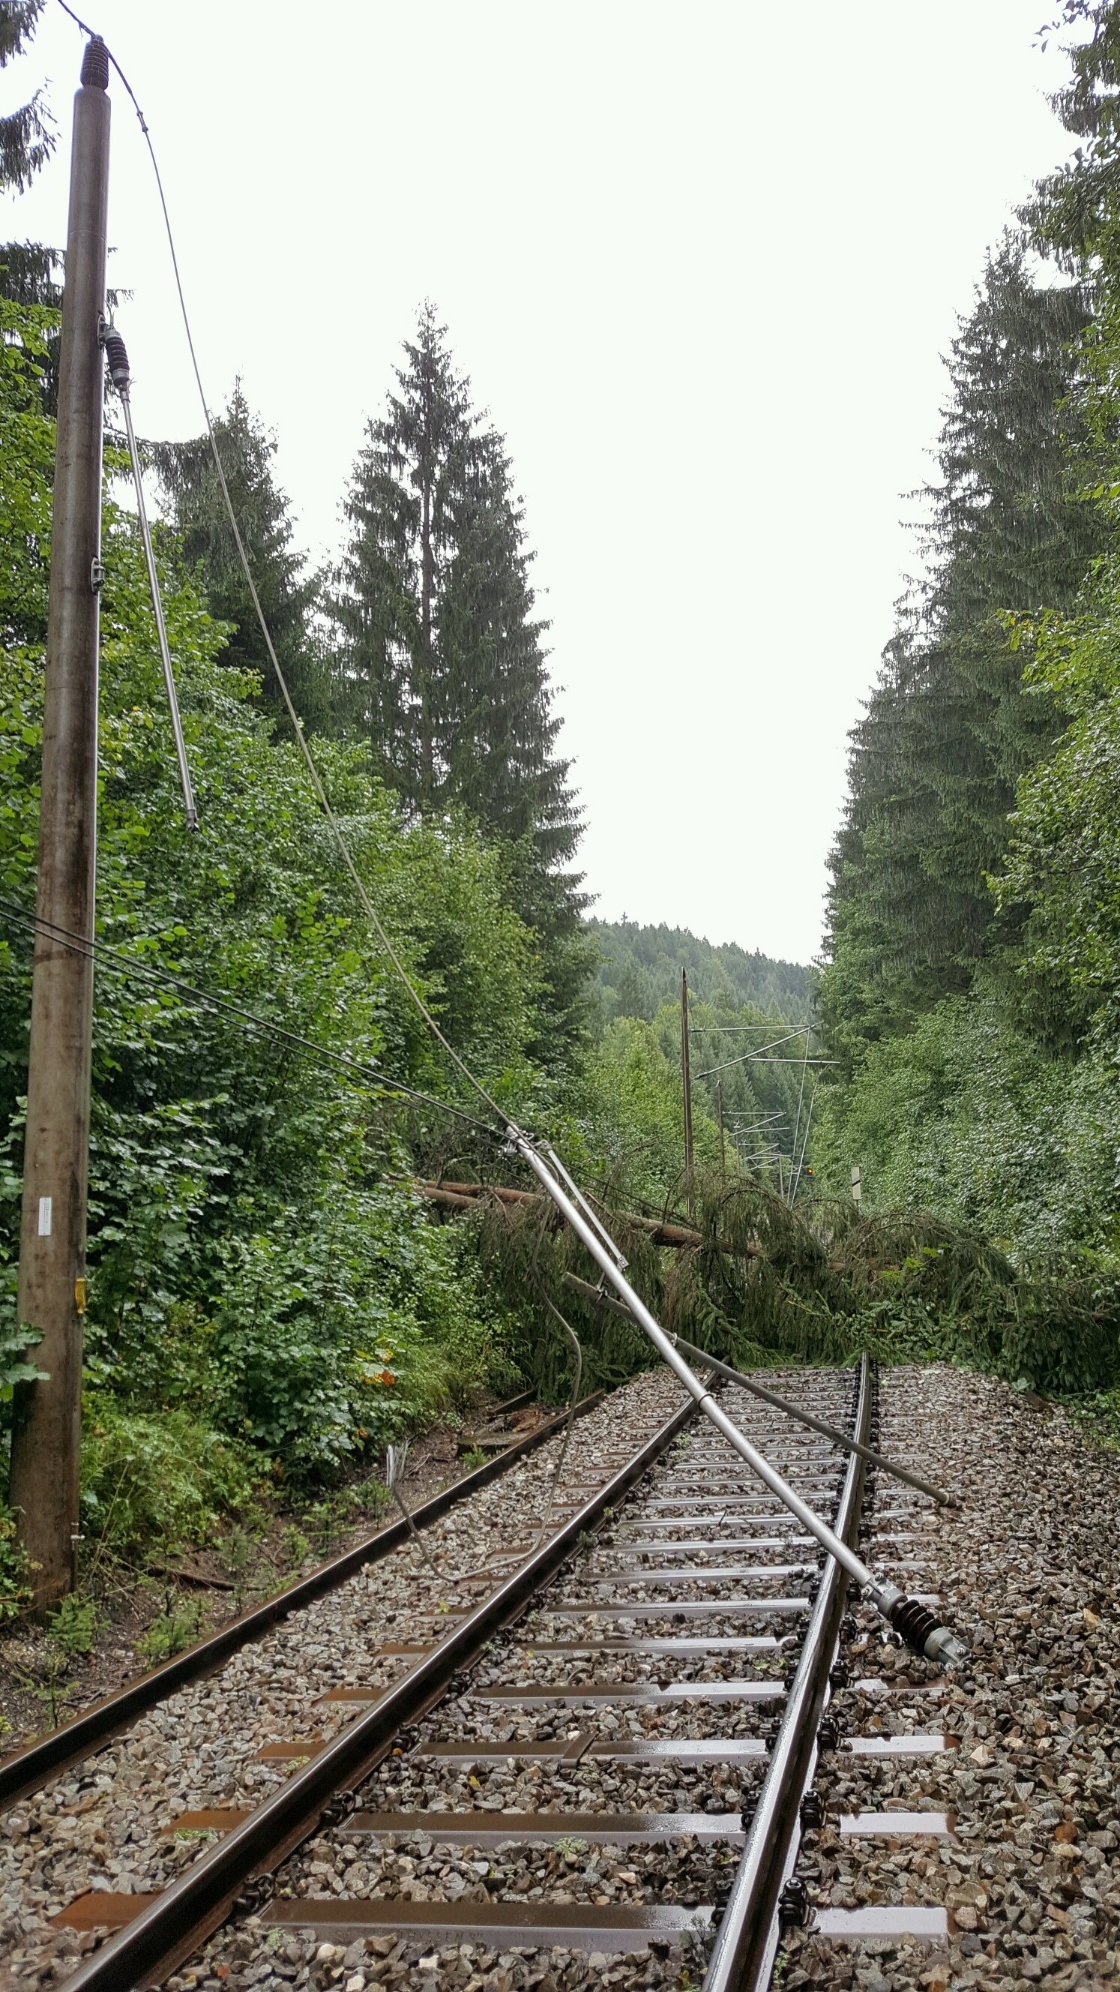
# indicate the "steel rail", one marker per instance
pixel 180 1919
pixel 743 1954
pixel 28 1770
pixel 818 1425
pixel 920 1629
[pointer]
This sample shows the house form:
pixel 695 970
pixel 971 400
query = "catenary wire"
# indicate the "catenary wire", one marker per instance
pixel 123 965
pixel 316 781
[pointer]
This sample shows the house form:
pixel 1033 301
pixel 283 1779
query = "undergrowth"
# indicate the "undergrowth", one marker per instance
pixel 819 1283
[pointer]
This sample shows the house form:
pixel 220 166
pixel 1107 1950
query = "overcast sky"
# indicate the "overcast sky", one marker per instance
pixel 700 263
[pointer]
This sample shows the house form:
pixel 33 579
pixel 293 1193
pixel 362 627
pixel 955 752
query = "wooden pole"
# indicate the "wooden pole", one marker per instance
pixel 722 1138
pixel 47 1415
pixel 686 1087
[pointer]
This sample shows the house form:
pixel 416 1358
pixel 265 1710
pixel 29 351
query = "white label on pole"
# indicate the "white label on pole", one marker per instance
pixel 46 1206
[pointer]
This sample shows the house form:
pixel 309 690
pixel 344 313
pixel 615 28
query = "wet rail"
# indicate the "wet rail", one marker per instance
pixel 650 1682
pixel 29 1769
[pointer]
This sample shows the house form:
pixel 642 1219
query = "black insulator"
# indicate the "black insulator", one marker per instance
pixel 793 1905
pixel 116 359
pixel 838 1675
pixel 915 1624
pixel 811 1813
pixel 256 1893
pixel 95 64
pixel 337 1809
pixel 828 1735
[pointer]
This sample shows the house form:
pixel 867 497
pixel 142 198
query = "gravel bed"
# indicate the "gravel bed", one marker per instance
pixel 100 1825
pixel 683 1871
pixel 1028 1575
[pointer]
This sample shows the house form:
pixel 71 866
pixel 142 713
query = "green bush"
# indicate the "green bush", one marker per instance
pixel 15 1591
pixel 177 1627
pixel 156 1479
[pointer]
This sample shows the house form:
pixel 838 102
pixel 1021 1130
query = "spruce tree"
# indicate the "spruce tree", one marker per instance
pixel 444 650
pixel 949 731
pixel 444 655
pixel 27 134
pixel 288 594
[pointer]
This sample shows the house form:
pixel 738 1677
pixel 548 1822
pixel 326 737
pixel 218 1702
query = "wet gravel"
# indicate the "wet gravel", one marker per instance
pixel 1028 1574
pixel 101 1826
pixel 1030 1870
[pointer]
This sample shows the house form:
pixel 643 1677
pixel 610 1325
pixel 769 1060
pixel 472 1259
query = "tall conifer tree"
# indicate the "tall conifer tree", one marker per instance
pixel 948 730
pixel 288 594
pixel 444 651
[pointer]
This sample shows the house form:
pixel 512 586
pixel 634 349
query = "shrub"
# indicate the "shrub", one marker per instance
pixel 157 1479
pixel 15 1591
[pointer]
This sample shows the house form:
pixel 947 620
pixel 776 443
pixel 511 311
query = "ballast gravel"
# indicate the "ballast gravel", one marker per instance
pixel 1030 1871
pixel 1028 1574
pixel 102 1825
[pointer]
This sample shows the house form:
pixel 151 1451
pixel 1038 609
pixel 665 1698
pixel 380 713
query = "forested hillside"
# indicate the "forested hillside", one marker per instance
pixel 973 967
pixel 639 968
pixel 271 1294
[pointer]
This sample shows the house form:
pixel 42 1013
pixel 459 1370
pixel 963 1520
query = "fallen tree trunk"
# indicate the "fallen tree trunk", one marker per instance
pixel 462 1196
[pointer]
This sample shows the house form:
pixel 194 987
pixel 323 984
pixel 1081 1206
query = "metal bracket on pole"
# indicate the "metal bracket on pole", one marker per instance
pixel 921 1631
pixel 117 358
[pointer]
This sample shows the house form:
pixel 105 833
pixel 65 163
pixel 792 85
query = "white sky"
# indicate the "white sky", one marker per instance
pixel 700 263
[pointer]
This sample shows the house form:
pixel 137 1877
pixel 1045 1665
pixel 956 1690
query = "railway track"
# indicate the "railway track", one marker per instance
pixel 634 1758
pixel 652 1677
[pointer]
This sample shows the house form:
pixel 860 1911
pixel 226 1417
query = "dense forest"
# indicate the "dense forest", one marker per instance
pixel 970 984
pixel 268 1292
pixel 272 1295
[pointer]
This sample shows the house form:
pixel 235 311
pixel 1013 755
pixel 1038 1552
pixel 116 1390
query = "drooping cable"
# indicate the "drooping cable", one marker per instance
pixel 297 726
pixel 122 964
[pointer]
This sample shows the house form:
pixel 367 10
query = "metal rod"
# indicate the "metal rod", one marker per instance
pixel 743 1953
pixel 819 1425
pixel 664 1346
pixel 589 1213
pixel 47 1413
pixel 920 1629
pixel 157 610
pixel 686 1088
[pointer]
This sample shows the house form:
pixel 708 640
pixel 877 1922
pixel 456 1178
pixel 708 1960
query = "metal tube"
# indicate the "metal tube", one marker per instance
pixel 157 610
pixel 707 1403
pixel 47 1413
pixel 924 1633
pixel 743 1954
pixel 819 1425
pixel 591 1215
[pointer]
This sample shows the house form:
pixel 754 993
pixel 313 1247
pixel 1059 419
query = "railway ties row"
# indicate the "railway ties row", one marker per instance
pixel 615 1719
pixel 593 1685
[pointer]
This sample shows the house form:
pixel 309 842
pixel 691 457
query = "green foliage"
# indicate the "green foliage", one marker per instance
pixel 15 1590
pixel 639 972
pixel 157 1478
pixel 975 942
pixel 14 1367
pixel 287 595
pixel 73 1626
pixel 27 135
pixel 948 730
pixel 249 1252
pixel 443 646
pixel 971 1116
pixel 177 1627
